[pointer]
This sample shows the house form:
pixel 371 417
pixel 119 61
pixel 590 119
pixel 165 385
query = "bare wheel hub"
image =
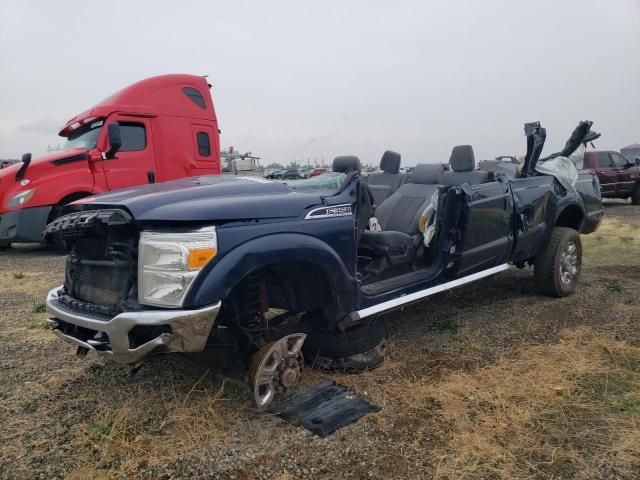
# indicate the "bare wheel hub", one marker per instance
pixel 276 367
pixel 290 375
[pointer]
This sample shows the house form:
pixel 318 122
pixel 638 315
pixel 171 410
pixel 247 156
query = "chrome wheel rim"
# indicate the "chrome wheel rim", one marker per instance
pixel 276 368
pixel 569 264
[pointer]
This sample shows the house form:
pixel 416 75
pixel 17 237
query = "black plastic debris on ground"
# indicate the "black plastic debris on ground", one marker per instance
pixel 325 409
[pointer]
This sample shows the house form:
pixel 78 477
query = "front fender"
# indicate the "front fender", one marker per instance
pixel 62 181
pixel 218 278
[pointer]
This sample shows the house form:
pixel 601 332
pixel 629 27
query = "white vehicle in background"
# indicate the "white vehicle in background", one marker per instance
pixel 305 172
pixel 235 161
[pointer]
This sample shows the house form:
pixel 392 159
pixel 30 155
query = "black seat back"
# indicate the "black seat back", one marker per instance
pixel 401 211
pixel 383 184
pixel 510 170
pixel 462 163
pixel 351 163
pixel 347 163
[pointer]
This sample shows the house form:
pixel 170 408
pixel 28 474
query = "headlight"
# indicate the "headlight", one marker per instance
pixel 21 198
pixel 169 261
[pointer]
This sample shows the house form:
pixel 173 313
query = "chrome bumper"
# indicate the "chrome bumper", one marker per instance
pixel 190 330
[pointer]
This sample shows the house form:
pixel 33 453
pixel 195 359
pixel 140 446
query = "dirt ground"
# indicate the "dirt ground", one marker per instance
pixel 488 381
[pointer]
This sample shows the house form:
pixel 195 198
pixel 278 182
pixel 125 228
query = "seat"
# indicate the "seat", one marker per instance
pixel 346 164
pixel 349 164
pixel 510 170
pixel 399 218
pixel 462 163
pixel 383 184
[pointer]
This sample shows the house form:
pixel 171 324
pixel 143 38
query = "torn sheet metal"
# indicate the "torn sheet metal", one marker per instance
pixel 563 169
pixel 324 409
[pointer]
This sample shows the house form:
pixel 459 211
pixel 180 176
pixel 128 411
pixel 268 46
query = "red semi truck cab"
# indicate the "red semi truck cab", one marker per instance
pixel 165 126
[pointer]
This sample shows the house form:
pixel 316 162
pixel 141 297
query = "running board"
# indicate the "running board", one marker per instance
pixel 412 297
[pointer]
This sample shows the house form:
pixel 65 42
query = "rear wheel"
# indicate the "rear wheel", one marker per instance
pixel 557 269
pixel 635 195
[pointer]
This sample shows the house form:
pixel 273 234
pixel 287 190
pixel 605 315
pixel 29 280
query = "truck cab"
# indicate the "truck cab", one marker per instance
pixel 619 177
pixel 159 129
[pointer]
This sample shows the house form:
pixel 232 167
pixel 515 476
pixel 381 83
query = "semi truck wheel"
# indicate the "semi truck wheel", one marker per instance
pixel 360 348
pixel 557 269
pixel 55 239
pixel 635 195
pixel 59 245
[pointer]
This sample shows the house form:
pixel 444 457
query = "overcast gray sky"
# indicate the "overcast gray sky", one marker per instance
pixel 302 79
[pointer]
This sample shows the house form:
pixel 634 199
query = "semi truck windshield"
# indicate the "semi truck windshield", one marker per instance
pixel 85 136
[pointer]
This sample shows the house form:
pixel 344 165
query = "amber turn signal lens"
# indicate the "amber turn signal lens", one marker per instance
pixel 199 257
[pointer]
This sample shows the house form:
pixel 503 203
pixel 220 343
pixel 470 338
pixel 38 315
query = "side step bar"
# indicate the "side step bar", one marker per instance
pixel 412 297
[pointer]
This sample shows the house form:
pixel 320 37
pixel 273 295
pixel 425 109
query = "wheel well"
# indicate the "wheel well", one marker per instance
pixel 571 217
pixel 72 197
pixel 292 286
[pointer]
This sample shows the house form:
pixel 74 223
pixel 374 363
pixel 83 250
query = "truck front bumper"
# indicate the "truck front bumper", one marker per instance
pixel 163 330
pixel 23 226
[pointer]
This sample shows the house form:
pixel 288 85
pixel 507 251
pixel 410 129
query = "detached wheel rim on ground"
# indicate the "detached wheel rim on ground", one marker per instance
pixel 276 368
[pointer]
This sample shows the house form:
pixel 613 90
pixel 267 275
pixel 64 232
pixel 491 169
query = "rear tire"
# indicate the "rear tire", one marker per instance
pixel 635 195
pixel 557 268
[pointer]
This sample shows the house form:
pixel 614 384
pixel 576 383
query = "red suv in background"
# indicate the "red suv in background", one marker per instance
pixel 317 171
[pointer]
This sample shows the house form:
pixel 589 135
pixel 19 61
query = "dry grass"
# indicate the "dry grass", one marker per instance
pixel 543 411
pixel 616 240
pixel 497 382
pixel 25 282
pixel 133 437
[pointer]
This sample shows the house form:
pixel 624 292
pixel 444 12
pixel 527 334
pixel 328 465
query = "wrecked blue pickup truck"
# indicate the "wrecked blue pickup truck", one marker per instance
pixel 306 267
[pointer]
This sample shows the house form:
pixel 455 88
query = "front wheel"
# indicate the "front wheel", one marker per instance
pixel 359 348
pixel 635 195
pixel 55 239
pixel 557 268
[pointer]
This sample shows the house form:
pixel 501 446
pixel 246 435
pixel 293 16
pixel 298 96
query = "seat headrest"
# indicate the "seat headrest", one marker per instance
pixel 390 162
pixel 427 174
pixel 462 159
pixel 346 163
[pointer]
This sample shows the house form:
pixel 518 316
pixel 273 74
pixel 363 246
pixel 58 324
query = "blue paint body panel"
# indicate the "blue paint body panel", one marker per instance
pixel 260 223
